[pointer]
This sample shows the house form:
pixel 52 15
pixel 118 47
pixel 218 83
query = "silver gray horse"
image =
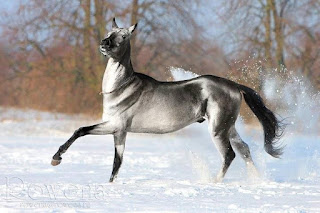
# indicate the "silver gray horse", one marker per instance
pixel 134 102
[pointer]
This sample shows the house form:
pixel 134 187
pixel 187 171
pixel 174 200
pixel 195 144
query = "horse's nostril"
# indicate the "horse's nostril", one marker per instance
pixel 108 42
pixel 105 42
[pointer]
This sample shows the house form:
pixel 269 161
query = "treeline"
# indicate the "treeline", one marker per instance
pixel 49 49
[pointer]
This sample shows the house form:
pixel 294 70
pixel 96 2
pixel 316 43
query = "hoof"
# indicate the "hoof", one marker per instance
pixel 55 162
pixel 112 178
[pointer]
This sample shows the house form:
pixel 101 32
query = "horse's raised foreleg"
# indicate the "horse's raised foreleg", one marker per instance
pixel 119 144
pixel 98 129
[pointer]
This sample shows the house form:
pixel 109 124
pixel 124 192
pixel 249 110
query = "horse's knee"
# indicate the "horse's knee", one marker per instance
pixel 82 131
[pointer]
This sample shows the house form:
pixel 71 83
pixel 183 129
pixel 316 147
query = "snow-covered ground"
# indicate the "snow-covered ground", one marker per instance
pixel 172 172
pixel 160 173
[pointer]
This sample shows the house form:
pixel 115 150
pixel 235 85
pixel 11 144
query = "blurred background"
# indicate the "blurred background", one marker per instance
pixel 50 78
pixel 49 49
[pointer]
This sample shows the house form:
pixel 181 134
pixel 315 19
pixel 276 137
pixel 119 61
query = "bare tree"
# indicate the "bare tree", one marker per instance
pixel 271 29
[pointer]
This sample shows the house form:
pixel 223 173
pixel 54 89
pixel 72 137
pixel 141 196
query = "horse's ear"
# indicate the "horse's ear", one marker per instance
pixel 132 28
pixel 114 24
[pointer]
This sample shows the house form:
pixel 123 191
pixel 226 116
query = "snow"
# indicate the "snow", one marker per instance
pixel 160 173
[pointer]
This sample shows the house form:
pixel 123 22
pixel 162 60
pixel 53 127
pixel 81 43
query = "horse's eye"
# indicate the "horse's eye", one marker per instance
pixel 124 37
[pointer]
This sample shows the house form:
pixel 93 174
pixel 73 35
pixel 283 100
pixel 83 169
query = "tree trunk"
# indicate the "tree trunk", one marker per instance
pixel 86 5
pixel 87 25
pixel 100 18
pixel 134 20
pixel 279 35
pixel 268 42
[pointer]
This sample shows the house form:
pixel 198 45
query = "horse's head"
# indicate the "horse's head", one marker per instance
pixel 117 41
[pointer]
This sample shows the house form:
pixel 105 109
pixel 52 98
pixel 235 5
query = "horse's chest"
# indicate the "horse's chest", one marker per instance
pixel 112 108
pixel 120 105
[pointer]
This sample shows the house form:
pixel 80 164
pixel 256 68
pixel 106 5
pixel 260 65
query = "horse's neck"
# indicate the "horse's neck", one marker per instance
pixel 116 74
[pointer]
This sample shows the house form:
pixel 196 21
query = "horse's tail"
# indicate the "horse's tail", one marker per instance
pixel 273 128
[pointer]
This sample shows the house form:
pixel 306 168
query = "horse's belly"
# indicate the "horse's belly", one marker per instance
pixel 162 120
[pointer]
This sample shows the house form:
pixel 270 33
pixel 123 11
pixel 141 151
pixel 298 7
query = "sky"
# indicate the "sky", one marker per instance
pixel 8 4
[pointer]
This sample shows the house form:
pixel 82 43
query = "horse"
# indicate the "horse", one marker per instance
pixel 137 103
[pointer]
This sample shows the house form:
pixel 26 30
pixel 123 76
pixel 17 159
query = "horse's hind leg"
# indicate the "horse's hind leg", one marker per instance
pixel 220 120
pixel 227 154
pixel 223 145
pixel 243 149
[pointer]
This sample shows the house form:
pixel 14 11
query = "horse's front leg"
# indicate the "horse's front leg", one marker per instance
pixel 98 129
pixel 119 145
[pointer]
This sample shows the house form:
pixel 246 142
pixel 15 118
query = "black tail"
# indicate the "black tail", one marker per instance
pixel 273 128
